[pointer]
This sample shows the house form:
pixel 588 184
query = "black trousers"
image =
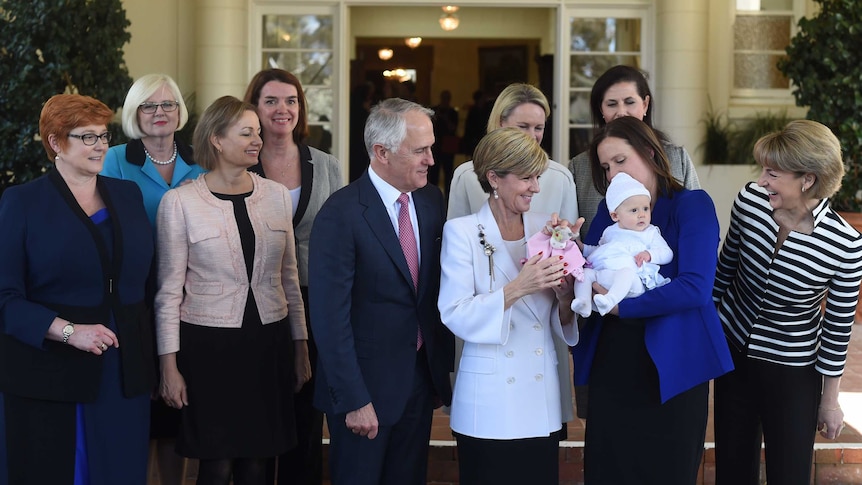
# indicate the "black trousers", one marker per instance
pixel 508 462
pixel 765 402
pixel 625 412
pixel 399 453
pixel 303 465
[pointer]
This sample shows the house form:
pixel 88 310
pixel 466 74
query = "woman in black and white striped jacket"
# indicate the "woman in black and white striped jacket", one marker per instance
pixel 785 253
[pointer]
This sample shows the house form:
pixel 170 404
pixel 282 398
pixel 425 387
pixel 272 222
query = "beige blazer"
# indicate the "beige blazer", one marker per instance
pixel 201 270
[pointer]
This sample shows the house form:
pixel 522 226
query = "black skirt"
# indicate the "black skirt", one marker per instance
pixel 240 389
pixel 631 437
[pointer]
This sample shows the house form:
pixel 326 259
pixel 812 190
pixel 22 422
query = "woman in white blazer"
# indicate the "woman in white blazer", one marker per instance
pixel 506 413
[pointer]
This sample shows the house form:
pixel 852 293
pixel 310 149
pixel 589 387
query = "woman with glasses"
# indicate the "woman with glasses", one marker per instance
pixel 154 158
pixel 156 161
pixel 76 356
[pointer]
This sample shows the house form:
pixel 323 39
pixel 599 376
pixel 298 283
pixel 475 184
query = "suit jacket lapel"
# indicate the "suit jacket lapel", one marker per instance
pixel 428 245
pixel 378 221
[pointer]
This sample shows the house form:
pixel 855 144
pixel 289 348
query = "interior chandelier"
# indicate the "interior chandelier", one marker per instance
pixel 413 42
pixel 449 21
pixel 385 54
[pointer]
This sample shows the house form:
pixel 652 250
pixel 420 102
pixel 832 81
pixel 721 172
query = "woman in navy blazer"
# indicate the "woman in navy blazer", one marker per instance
pixel 76 344
pixel 648 363
pixel 506 410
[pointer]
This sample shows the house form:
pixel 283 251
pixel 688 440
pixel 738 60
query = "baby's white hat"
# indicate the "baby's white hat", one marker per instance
pixel 621 188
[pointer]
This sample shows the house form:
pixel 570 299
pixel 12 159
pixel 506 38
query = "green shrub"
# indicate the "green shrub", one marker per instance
pixel 50 47
pixel 824 61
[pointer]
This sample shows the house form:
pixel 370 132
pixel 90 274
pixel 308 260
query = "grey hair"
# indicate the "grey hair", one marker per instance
pixel 386 125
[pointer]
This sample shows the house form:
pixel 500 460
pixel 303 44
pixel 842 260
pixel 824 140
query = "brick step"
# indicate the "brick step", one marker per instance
pixel 833 464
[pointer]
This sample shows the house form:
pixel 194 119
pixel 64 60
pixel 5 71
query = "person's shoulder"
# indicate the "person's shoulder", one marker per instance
pixel 461 224
pixel 460 170
pixel 119 185
pixel 557 172
pixel 25 191
pixel 318 156
pixel 116 153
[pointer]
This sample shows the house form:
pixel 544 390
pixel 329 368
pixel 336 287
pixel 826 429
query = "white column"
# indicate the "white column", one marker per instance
pixel 682 28
pixel 222 50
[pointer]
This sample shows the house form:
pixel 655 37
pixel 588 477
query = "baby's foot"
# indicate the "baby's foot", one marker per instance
pixel 582 307
pixel 603 304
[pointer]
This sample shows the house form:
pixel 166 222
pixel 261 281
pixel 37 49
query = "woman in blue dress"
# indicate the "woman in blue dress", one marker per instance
pixel 75 337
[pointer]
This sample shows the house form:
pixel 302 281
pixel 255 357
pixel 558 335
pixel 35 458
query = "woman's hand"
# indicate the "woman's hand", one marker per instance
pixel 576 228
pixel 565 290
pixel 537 274
pixel 94 338
pixel 830 421
pixel 302 364
pixel 172 386
pixel 556 221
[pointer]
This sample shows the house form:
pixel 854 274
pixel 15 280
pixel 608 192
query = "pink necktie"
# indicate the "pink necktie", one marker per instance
pixel 408 246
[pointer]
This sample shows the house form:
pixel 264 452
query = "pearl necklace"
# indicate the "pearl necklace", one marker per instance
pixel 168 161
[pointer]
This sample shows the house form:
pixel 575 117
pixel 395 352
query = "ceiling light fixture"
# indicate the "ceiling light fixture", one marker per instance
pixel 413 42
pixel 385 54
pixel 449 21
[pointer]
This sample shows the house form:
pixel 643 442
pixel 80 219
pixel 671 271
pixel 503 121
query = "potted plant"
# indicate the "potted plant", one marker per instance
pixel 824 63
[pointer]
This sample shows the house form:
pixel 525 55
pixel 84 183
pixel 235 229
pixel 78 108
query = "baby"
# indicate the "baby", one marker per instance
pixel 628 256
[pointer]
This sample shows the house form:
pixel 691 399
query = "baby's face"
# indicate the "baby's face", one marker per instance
pixel 634 213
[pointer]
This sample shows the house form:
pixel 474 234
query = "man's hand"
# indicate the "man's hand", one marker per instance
pixel 363 421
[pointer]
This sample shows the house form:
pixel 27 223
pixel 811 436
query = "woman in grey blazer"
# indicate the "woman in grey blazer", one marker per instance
pixel 623 91
pixel 311 176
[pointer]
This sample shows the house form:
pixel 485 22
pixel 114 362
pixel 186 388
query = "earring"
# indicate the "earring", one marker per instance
pixel 496 196
pixel 56 158
pixel 803 188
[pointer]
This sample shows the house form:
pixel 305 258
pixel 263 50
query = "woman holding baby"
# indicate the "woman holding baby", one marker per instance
pixel 649 360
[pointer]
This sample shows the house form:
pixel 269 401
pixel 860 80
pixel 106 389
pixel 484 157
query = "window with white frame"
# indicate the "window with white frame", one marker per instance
pixel 599 40
pixel 762 29
pixel 302 43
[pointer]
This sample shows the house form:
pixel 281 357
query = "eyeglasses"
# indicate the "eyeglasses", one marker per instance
pixel 150 108
pixel 89 139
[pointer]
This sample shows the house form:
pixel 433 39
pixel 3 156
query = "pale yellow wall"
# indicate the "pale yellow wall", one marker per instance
pixel 162 40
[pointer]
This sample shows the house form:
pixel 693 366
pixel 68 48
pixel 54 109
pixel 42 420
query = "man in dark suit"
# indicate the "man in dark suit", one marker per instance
pixel 384 355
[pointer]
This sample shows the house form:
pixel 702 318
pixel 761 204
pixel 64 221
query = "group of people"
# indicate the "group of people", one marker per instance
pixel 272 295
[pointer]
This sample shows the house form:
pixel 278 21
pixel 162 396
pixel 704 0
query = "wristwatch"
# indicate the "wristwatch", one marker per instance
pixel 68 330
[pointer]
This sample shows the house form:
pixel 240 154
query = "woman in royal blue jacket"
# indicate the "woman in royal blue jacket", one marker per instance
pixel 649 361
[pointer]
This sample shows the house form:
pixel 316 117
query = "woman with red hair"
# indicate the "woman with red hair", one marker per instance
pixel 75 336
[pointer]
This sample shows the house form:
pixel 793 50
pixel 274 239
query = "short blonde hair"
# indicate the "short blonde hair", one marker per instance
pixel 510 98
pixel 804 146
pixel 505 151
pixel 142 89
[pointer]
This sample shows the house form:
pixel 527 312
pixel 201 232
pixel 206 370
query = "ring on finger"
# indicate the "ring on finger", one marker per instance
pixel 104 347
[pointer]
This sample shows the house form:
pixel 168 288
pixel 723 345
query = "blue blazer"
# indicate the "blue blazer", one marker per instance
pixel 128 162
pixel 683 334
pixel 364 311
pixel 57 264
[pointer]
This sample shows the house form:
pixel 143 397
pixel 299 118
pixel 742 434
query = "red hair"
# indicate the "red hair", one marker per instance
pixel 65 112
